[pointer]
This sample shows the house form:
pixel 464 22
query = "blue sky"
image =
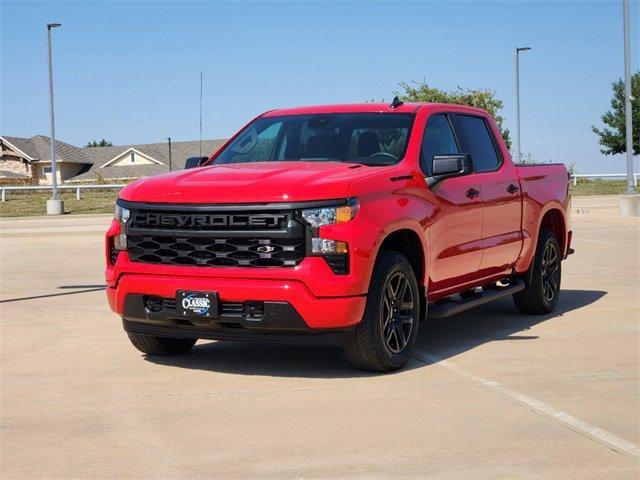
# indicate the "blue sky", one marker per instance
pixel 129 71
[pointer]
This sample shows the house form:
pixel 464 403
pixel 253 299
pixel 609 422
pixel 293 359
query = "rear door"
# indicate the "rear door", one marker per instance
pixel 456 225
pixel 500 194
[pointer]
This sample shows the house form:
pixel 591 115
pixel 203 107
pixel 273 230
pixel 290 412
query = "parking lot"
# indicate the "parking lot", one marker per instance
pixel 489 394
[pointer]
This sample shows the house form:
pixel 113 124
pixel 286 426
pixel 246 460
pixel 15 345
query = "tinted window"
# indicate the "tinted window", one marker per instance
pixel 481 146
pixel 438 140
pixel 370 138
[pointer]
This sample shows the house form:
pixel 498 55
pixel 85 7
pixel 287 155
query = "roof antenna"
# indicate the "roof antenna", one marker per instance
pixel 396 102
pixel 200 144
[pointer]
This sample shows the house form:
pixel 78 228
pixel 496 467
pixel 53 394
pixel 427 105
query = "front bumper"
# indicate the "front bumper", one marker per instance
pixel 314 313
pixel 270 322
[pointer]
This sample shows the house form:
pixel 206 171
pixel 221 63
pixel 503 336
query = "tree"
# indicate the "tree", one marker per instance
pixel 613 139
pixel 101 143
pixel 485 99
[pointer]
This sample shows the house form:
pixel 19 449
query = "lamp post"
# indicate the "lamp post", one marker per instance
pixel 628 96
pixel 169 140
pixel 55 206
pixel 518 50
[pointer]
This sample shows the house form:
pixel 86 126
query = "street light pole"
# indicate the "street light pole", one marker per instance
pixel 55 206
pixel 628 96
pixel 169 139
pixel 518 151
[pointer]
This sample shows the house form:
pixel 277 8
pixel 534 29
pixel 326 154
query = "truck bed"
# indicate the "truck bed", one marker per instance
pixel 544 187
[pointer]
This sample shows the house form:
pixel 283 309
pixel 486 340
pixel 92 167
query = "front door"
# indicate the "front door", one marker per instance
pixel 455 228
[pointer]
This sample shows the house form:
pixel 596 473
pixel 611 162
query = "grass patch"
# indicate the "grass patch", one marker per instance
pixel 598 187
pixel 24 204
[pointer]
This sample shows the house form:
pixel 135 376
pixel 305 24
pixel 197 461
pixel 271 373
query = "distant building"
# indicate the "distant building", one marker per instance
pixel 29 159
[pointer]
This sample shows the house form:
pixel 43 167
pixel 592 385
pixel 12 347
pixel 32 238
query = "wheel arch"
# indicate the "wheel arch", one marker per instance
pixel 554 220
pixel 409 243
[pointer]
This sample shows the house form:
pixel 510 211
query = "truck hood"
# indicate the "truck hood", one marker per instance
pixel 263 182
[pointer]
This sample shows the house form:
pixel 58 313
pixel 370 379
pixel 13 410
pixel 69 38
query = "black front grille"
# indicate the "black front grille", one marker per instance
pixel 217 252
pixel 216 239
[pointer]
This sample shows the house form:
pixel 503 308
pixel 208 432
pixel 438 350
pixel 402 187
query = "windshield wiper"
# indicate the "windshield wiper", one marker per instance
pixel 320 159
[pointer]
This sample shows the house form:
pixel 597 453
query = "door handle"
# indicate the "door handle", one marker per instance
pixel 472 193
pixel 512 188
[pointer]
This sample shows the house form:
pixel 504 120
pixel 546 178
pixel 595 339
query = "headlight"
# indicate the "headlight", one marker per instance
pixel 319 217
pixel 122 214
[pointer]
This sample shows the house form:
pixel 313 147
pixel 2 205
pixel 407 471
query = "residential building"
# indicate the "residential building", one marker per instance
pixel 29 159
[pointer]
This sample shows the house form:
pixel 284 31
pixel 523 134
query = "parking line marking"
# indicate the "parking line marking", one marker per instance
pixel 601 436
pixel 604 242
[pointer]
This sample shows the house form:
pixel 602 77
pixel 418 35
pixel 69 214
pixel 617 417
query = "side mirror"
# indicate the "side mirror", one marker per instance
pixel 448 166
pixel 193 162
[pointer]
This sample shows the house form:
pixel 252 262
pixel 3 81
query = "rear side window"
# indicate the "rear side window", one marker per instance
pixel 438 140
pixel 481 146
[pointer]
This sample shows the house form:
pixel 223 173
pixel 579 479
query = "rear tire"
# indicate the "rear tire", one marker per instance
pixel 162 346
pixel 541 294
pixel 384 339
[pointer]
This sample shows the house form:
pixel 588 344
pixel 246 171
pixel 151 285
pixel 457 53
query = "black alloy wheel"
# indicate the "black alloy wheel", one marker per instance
pixel 384 339
pixel 550 272
pixel 396 312
pixel 542 281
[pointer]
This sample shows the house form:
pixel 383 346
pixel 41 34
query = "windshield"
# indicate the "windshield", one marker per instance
pixel 368 138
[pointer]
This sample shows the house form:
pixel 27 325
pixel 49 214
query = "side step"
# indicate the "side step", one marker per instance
pixel 453 307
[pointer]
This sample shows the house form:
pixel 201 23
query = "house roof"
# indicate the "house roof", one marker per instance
pixel 38 148
pixel 24 145
pixel 10 174
pixel 64 151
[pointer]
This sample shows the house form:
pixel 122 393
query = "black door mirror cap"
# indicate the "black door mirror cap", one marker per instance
pixel 449 166
pixel 193 162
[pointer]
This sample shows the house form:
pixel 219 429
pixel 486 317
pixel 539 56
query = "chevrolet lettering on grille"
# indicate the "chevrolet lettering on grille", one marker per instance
pixel 170 220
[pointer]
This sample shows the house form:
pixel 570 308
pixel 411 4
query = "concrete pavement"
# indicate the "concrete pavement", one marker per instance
pixel 489 394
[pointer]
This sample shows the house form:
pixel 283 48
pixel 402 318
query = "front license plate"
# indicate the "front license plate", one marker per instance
pixel 196 304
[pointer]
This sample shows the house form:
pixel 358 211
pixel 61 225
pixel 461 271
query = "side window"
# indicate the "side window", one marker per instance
pixel 438 140
pixel 481 145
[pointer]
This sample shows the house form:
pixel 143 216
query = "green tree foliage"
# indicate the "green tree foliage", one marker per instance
pixel 613 139
pixel 485 99
pixel 101 143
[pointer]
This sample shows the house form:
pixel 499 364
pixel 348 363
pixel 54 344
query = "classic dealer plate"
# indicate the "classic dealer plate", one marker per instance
pixel 196 304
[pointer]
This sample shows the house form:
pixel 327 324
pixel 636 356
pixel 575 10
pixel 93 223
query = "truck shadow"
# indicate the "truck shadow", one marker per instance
pixel 441 339
pixel 497 321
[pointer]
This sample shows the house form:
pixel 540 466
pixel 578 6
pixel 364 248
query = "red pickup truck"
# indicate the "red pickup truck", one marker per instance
pixel 340 224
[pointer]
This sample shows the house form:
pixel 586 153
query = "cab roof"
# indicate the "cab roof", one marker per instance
pixel 409 107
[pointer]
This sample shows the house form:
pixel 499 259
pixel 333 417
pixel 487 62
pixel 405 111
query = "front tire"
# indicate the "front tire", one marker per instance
pixel 161 346
pixel 541 294
pixel 384 339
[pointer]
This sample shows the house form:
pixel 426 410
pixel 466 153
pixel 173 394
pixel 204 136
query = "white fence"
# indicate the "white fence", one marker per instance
pixel 77 188
pixel 576 176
